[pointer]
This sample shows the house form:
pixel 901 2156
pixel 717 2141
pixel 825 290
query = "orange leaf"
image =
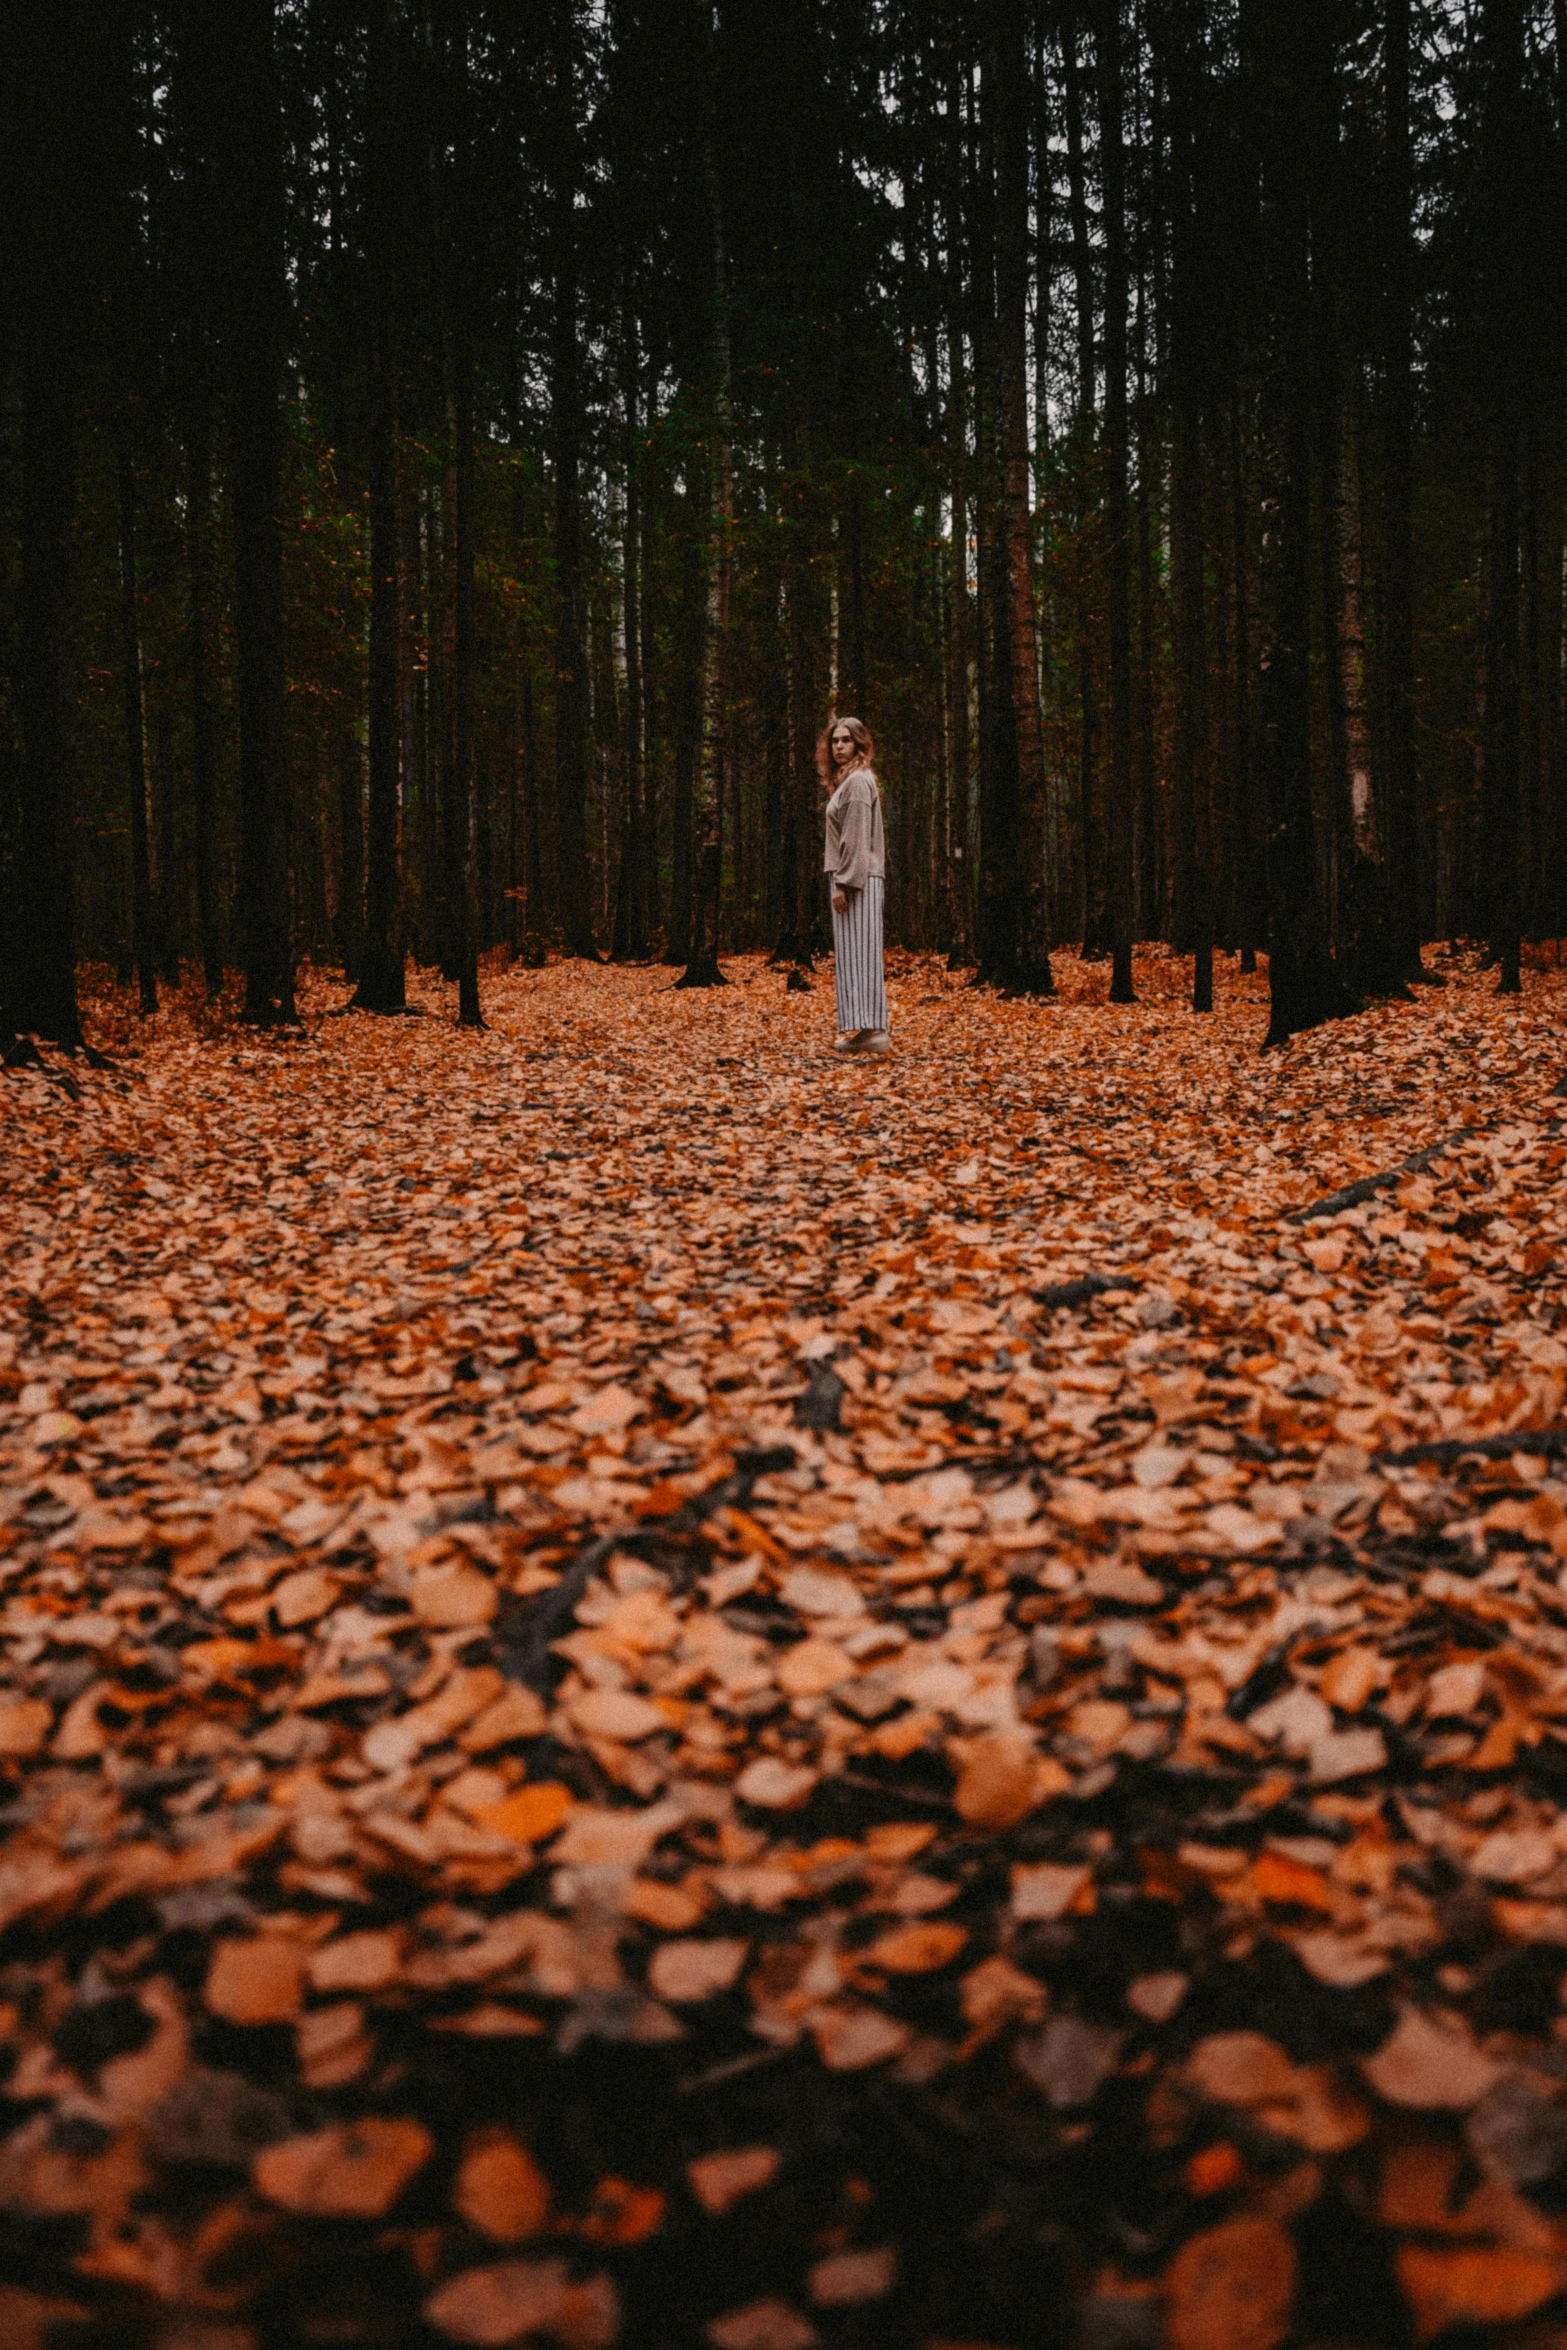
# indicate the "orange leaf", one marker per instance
pixel 1275 1877
pixel 915 1949
pixel 531 1814
pixel 499 2189
pixel 1473 2284
pixel 622 2213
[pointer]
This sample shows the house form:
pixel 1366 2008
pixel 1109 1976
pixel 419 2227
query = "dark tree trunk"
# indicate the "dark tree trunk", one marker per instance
pixel 1193 775
pixel 997 909
pixel 631 893
pixel 243 131
pixel 463 819
pixel 382 960
pixel 1304 987
pixel 167 878
pixel 1091 827
pixel 702 966
pixel 1117 507
pixel 1027 958
pixel 688 722
pixel 48 137
pixel 143 944
pixel 1505 277
pixel 203 710
pixel 566 417
pixel 1398 637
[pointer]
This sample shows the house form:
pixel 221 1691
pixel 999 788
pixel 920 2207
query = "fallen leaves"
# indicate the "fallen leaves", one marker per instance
pixel 604 1609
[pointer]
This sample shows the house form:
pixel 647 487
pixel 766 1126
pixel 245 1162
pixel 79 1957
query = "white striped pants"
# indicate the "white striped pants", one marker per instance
pixel 856 948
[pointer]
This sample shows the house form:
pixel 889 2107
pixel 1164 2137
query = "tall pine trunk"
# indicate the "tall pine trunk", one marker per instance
pixel 49 131
pixel 242 128
pixel 566 421
pixel 382 957
pixel 1501 742
pixel 143 942
pixel 1117 503
pixel 1193 772
pixel 1303 986
pixel 1028 963
pixel 702 967
pixel 1398 443
pixel 1091 814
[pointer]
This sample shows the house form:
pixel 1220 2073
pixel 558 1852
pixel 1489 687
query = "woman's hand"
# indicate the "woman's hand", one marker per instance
pixel 840 901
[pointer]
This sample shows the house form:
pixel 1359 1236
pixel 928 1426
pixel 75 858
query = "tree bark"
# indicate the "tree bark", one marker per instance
pixel 1091 828
pixel 143 944
pixel 1501 745
pixel 702 967
pixel 1028 962
pixel 1193 773
pixel 383 956
pixel 631 894
pixel 243 130
pixel 48 138
pixel 566 418
pixel 1398 642
pixel 1304 988
pixel 1117 506
pixel 203 711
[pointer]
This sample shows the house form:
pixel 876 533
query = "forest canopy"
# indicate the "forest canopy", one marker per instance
pixel 453 458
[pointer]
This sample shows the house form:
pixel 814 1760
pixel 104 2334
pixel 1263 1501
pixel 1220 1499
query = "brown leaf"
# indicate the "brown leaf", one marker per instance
pixel 1473 2284
pixel 513 2298
pixel 260 1981
pixel 350 2170
pixel 1231 2287
pixel 688 1972
pixel 1430 2064
pixel 916 1949
pixel 720 2181
pixel 996 1786
pixel 500 2190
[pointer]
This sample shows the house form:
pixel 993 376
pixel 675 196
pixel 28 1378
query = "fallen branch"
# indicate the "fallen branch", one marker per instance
pixel 1078 1293
pixel 525 1631
pixel 1446 1451
pixel 1352 1194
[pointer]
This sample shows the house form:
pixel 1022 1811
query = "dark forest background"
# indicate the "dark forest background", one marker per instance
pixel 453 457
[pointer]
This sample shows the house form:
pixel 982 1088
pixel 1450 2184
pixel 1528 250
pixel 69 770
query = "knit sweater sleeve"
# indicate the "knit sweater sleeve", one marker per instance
pixel 857 832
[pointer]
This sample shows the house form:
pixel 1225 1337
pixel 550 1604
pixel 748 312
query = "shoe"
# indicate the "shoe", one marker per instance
pixel 847 1043
pixel 871 1040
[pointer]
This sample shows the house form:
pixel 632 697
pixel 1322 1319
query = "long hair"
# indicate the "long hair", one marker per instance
pixel 864 747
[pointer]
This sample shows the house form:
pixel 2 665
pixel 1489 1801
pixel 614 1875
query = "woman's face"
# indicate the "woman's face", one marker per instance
pixel 841 744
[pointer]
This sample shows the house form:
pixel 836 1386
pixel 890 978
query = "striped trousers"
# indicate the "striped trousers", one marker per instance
pixel 856 950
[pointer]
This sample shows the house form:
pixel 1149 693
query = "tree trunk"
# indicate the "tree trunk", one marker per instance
pixel 631 895
pixel 203 712
pixel 1304 987
pixel 1091 830
pixel 1398 640
pixel 566 418
pixel 143 947
pixel 382 960
pixel 49 165
pixel 243 129
pixel 1501 742
pixel 1028 961
pixel 702 967
pixel 1193 774
pixel 1117 507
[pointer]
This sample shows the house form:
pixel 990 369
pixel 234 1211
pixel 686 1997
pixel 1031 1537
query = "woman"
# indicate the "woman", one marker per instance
pixel 857 864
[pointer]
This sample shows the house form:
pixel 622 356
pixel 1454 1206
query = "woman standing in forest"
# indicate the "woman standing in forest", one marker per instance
pixel 856 862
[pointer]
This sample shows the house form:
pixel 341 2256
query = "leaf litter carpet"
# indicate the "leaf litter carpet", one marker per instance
pixel 659 1689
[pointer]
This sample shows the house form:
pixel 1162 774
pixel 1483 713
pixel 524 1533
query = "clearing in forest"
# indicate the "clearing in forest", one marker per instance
pixel 660 1688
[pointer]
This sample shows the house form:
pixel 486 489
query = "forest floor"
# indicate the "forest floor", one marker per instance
pixel 625 1718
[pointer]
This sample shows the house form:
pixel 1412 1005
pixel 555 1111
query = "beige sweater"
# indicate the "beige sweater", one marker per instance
pixel 856 849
